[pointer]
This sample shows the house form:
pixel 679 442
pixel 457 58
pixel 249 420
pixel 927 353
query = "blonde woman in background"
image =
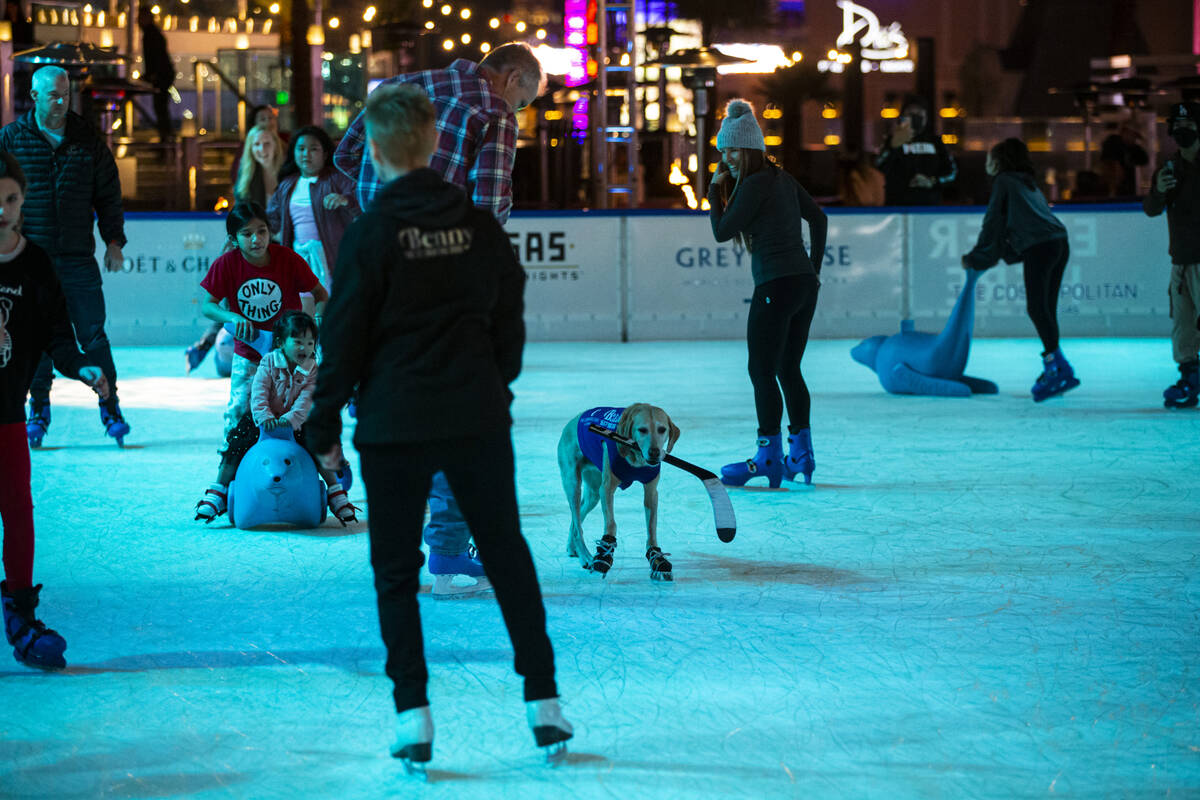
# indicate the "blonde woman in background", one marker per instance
pixel 258 173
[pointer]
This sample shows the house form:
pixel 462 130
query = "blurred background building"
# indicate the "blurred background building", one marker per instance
pixel 637 87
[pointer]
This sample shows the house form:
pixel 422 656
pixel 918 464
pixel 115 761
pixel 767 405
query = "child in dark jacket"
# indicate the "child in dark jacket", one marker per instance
pixel 427 321
pixel 33 321
pixel 1019 226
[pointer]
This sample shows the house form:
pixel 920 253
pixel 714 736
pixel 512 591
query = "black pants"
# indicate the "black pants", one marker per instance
pixel 1044 267
pixel 481 475
pixel 80 278
pixel 781 312
pixel 162 114
pixel 245 435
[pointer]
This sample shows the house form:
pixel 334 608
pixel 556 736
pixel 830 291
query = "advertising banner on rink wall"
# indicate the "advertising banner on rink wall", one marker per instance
pixel 606 276
pixel 685 285
pixel 1115 283
pixel 573 264
pixel 155 298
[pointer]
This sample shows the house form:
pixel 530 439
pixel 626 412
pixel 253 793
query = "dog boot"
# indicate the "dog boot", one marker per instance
pixel 660 568
pixel 603 560
pixel 800 456
pixel 446 569
pixel 33 643
pixel 414 739
pixel 1057 378
pixel 212 504
pixel 767 462
pixel 1185 392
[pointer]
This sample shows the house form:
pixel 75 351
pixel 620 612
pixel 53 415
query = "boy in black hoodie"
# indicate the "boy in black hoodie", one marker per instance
pixel 427 320
pixel 913 160
pixel 33 321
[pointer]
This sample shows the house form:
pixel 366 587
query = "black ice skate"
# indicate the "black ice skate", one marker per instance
pixel 660 568
pixel 33 643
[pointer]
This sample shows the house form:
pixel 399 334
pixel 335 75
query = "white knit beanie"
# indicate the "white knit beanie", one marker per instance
pixel 740 128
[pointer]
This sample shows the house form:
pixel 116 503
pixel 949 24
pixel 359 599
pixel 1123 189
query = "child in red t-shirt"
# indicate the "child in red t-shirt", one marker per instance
pixel 259 281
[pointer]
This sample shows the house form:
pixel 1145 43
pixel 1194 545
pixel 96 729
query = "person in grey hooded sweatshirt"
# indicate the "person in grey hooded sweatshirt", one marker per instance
pixel 427 321
pixel 1019 226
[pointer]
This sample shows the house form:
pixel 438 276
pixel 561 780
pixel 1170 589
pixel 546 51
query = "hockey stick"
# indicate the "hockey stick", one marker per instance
pixel 722 509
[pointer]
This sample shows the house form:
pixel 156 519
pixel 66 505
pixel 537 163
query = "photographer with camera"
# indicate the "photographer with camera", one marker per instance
pixel 914 162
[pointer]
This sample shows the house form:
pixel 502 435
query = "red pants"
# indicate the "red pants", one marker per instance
pixel 16 506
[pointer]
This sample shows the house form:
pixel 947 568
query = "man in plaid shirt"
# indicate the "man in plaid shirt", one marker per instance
pixel 477 145
pixel 476 124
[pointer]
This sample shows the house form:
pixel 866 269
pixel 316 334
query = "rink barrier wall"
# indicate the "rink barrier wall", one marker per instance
pixel 641 275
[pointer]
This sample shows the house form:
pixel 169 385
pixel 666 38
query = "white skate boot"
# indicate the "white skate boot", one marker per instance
pixel 550 730
pixel 414 739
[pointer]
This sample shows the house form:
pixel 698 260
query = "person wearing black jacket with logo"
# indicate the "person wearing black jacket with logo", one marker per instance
pixel 71 173
pixel 427 320
pixel 915 164
pixel 33 322
pixel 1176 189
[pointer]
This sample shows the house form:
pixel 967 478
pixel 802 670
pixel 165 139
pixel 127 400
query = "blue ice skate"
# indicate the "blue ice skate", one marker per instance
pixel 766 463
pixel 1057 378
pixel 38 422
pixel 1184 393
pixel 445 568
pixel 114 422
pixel 33 643
pixel 800 460
pixel 196 354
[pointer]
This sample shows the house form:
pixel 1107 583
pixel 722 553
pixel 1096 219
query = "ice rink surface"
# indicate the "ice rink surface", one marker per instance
pixel 978 598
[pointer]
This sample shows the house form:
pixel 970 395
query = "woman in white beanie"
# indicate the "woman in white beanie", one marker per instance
pixel 754 201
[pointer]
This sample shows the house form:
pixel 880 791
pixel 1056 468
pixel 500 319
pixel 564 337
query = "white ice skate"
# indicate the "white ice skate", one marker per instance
pixel 341 506
pixel 414 740
pixel 550 730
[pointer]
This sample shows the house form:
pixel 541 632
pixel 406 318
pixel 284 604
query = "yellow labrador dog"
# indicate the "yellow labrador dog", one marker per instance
pixel 593 468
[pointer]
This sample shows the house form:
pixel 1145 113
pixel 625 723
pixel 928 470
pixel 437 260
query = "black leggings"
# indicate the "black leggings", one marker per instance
pixel 480 472
pixel 1044 267
pixel 781 312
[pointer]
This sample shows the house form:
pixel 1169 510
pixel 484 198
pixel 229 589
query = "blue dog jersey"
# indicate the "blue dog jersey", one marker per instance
pixel 592 443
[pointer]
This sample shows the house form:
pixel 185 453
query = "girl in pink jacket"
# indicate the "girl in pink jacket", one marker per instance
pixel 280 394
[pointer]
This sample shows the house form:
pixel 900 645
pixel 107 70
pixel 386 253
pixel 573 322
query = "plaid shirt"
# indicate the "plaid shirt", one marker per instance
pixel 477 138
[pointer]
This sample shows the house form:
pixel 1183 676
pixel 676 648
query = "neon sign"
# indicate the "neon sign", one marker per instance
pixel 886 45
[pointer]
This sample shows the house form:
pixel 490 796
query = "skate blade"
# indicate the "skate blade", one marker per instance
pixel 662 577
pixel 444 586
pixel 556 754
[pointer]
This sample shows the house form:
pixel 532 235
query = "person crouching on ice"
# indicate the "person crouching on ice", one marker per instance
pixel 427 321
pixel 280 394
pixel 33 321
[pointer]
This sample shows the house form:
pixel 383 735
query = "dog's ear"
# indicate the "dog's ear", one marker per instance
pixel 674 437
pixel 625 423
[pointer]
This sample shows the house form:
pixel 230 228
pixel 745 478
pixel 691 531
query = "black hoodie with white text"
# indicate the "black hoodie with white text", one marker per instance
pixel 33 320
pixel 426 317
